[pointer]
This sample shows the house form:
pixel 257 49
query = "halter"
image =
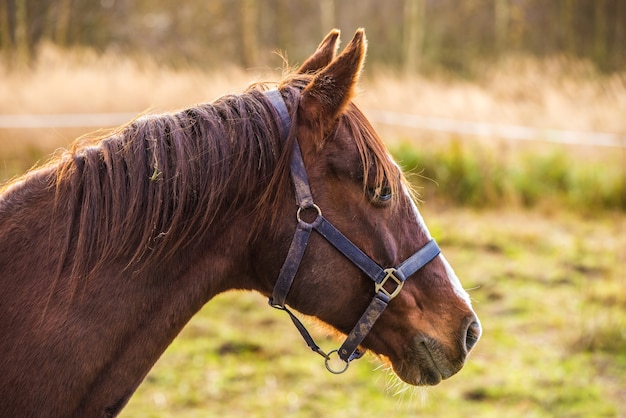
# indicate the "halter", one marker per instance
pixel 384 279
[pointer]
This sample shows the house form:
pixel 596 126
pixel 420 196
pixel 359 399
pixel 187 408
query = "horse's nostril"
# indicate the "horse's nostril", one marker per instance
pixel 472 336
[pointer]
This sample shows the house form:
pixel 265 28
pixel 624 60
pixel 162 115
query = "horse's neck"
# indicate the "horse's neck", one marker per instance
pixel 155 314
pixel 104 337
pixel 149 327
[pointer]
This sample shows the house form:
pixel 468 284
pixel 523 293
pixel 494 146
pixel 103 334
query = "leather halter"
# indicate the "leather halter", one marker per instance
pixel 383 278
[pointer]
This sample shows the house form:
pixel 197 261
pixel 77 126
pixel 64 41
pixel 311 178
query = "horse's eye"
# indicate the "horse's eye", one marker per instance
pixel 385 193
pixel 380 194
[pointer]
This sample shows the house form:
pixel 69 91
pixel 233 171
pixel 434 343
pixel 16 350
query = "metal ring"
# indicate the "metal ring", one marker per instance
pixel 312 206
pixel 330 369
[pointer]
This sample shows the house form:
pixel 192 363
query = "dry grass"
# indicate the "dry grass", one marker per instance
pixel 81 81
pixel 557 93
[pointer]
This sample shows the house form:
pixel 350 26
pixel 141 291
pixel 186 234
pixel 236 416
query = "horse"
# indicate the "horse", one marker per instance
pixel 108 249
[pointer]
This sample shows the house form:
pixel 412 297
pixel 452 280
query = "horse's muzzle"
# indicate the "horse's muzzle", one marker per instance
pixel 429 361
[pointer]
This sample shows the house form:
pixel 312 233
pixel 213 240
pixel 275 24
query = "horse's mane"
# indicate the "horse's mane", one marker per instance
pixel 153 186
pixel 159 182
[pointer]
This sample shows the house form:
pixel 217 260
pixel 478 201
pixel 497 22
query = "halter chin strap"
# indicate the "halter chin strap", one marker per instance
pixel 387 282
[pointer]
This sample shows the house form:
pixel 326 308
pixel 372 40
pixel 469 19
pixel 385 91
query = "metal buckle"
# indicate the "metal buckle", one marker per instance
pixel 390 274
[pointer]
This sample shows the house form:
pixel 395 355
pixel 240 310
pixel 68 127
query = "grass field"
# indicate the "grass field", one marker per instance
pixel 551 294
pixel 547 276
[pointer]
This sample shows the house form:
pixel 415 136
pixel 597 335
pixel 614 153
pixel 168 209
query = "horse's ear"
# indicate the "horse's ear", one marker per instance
pixel 324 54
pixel 331 89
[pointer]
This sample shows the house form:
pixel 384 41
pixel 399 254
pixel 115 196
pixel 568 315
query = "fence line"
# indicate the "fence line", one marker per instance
pixel 428 123
pixel 504 131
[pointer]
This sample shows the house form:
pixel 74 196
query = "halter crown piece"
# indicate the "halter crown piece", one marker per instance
pixel 394 276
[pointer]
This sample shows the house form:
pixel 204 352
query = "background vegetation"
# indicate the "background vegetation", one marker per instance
pixel 417 34
pixel 536 230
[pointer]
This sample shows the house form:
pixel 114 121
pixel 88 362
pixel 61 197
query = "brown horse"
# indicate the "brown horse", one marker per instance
pixel 107 251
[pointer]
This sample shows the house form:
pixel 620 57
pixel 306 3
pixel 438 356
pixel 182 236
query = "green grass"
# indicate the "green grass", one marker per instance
pixel 486 176
pixel 551 294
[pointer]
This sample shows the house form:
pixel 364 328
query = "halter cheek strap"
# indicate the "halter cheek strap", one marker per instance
pixel 387 282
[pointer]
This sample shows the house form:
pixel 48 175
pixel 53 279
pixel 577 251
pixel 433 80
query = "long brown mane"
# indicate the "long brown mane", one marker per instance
pixel 154 185
pixel 157 183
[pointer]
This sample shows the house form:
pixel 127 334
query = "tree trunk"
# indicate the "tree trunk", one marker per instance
pixel 21 58
pixel 61 32
pixel 501 25
pixel 618 36
pixel 599 33
pixel 414 13
pixel 568 25
pixel 327 15
pixel 6 45
pixel 250 44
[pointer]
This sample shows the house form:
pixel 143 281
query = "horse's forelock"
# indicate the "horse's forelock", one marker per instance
pixel 374 156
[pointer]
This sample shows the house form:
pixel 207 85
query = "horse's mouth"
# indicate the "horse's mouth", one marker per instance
pixel 426 364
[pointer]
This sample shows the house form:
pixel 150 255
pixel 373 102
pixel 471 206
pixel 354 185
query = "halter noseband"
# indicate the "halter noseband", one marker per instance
pixel 395 276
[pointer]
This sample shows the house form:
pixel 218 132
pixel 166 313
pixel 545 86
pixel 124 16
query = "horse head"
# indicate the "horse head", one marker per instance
pixel 427 326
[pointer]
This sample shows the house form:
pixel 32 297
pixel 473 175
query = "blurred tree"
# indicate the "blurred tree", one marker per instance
pixel 600 32
pixel 249 37
pixel 206 33
pixel 284 27
pixel 501 25
pixel 566 22
pixel 619 36
pixel 327 14
pixel 414 29
pixel 63 12
pixel 21 55
pixel 5 33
